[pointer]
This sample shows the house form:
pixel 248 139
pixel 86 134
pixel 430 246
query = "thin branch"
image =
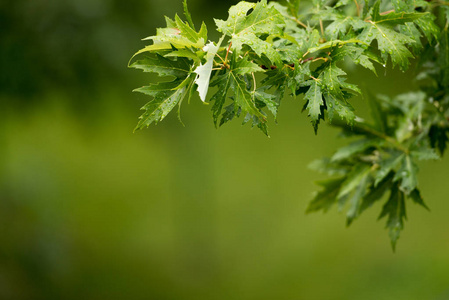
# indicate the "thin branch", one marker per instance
pixel 254 81
pixel 358 7
pixel 227 52
pixel 320 58
pixel 387 138
pixel 386 12
pixel 299 22
pixel 220 58
pixel 322 27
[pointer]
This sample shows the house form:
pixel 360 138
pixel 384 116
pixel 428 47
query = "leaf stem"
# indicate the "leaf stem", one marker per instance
pixel 387 138
pixel 254 81
pixel 358 7
pixel 227 53
pixel 220 58
pixel 320 58
pixel 299 22
pixel 322 27
pixel 386 12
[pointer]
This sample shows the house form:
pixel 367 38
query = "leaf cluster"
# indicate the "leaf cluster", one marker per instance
pixel 268 50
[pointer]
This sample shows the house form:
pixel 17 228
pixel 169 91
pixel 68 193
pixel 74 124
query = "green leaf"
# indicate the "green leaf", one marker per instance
pixel 387 165
pixel 185 53
pixel 230 112
pixel 428 27
pixel 263 19
pixel 354 148
pixel 443 57
pixel 340 25
pixel 243 98
pixel 333 87
pixel 329 167
pixel 312 39
pixel 356 199
pixel 244 66
pixel 415 195
pixel 409 29
pixel 438 138
pixel 353 180
pixel 259 46
pixel 187 14
pixel 187 31
pixel 376 192
pixel 293 7
pixel 166 97
pixel 315 101
pixel 177 34
pixel 330 78
pixel 395 212
pixel 393 18
pixel 233 81
pixel 268 100
pixel 424 153
pixel 407 175
pixel 246 29
pixel 389 42
pixel 237 15
pixel 327 197
pixel 223 83
pixel 379 116
pixel 334 43
pixel 163 66
pixel 341 107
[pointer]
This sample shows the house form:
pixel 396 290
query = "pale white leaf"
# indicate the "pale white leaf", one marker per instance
pixel 204 71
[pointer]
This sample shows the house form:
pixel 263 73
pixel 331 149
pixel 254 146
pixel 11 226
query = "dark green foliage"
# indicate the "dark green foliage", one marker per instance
pixel 268 49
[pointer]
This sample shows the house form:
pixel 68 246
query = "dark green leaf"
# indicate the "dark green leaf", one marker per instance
pixel 327 197
pixel 315 100
pixel 163 66
pixel 395 212
pixel 415 195
pixel 407 174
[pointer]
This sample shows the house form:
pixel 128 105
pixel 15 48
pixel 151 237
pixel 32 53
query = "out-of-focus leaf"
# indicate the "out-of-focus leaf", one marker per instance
pixel 395 212
pixel 327 197
pixel 415 195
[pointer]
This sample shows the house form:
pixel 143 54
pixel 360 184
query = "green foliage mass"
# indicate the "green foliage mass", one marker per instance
pixel 269 49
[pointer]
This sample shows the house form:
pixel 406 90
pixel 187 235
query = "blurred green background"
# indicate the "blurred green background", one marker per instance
pixel 89 210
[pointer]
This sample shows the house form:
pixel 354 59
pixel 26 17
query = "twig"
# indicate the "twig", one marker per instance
pixel 322 28
pixel 320 58
pixel 254 81
pixel 227 53
pixel 386 12
pixel 220 58
pixel 358 7
pixel 387 138
pixel 299 22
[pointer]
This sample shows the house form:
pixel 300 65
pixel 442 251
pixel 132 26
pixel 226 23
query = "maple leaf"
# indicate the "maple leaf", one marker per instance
pixel 395 212
pixel 314 99
pixel 247 29
pixel 233 81
pixel 165 97
pixel 390 42
pixel 177 34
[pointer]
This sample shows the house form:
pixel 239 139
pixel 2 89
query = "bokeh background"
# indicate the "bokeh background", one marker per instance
pixel 89 210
